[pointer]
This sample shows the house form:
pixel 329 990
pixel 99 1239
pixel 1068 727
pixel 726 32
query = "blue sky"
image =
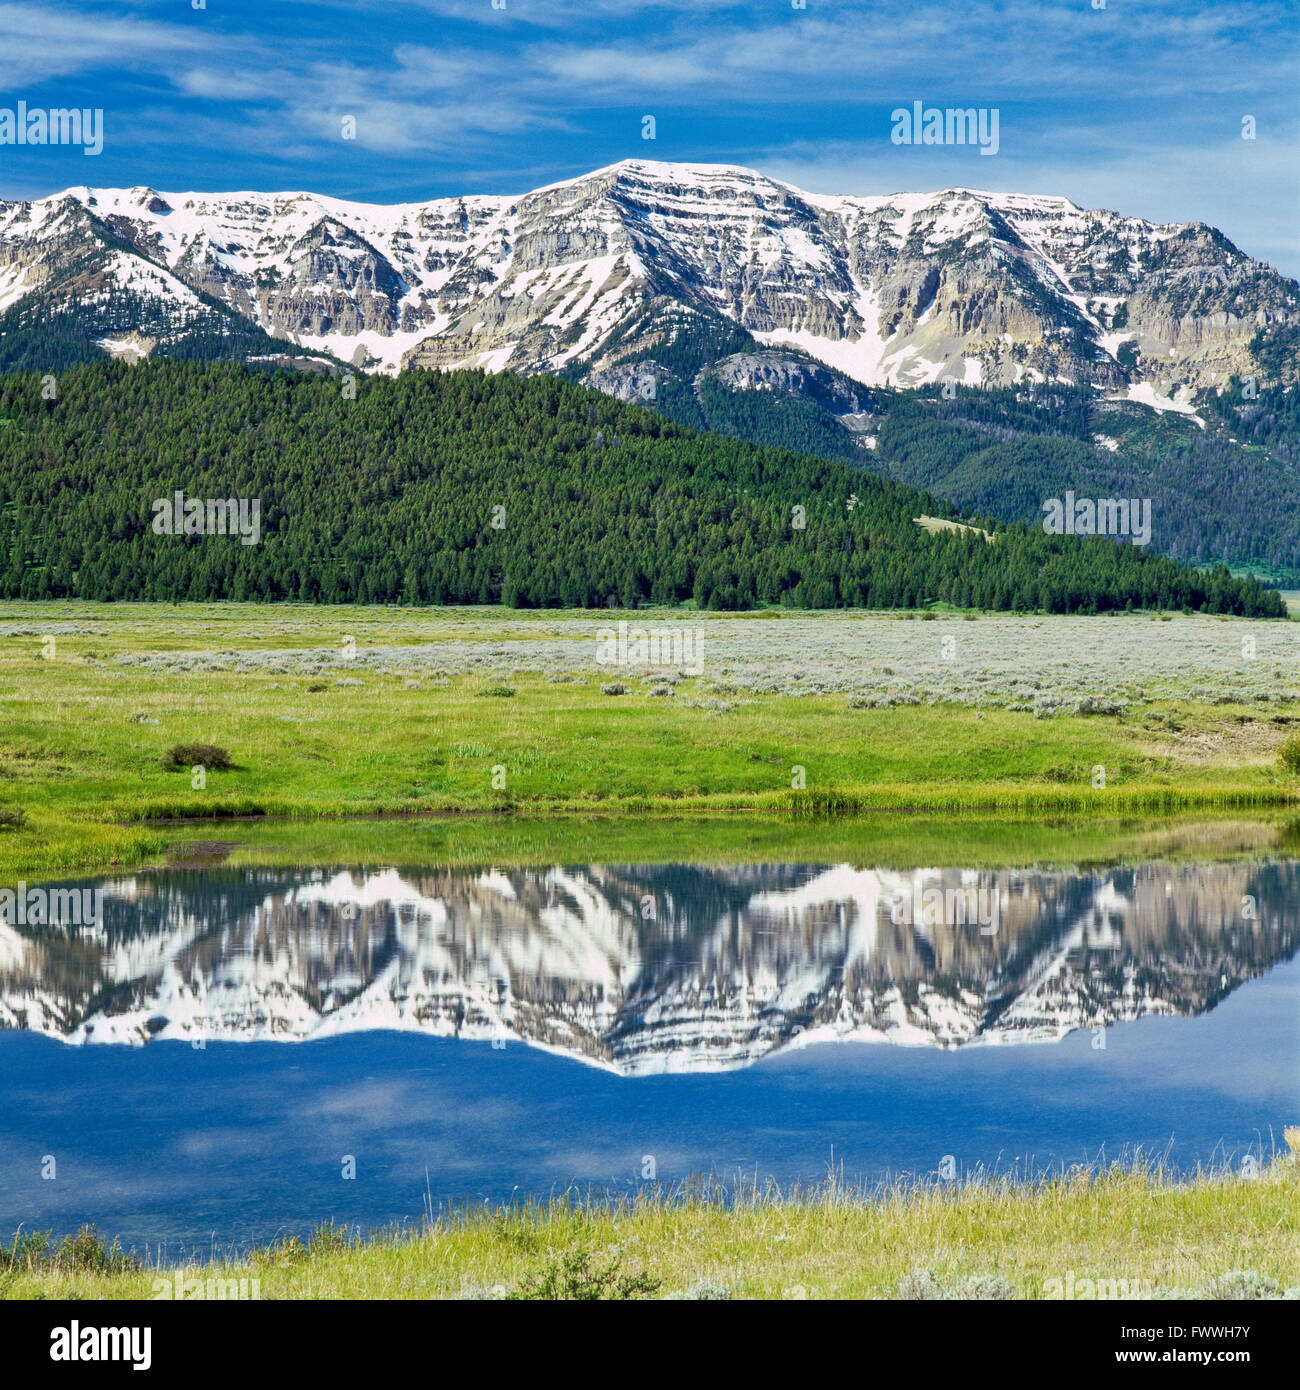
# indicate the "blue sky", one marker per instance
pixel 1136 106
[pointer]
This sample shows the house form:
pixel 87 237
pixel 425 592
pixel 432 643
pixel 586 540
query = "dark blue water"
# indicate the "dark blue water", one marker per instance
pixel 177 1148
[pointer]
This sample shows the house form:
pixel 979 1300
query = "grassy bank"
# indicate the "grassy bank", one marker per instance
pixel 884 841
pixel 1212 1236
pixel 359 712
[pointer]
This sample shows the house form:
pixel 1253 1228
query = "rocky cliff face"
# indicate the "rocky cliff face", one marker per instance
pixel 649 969
pixel 620 264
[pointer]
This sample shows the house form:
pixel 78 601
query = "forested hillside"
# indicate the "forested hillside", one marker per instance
pixel 1225 492
pixel 467 488
pixel 1222 491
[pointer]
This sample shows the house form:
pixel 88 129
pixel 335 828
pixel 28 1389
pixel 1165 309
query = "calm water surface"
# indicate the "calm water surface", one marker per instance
pixel 202 1061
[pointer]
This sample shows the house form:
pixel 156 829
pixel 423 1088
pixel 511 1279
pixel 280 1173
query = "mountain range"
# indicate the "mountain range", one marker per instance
pixel 991 348
pixel 900 290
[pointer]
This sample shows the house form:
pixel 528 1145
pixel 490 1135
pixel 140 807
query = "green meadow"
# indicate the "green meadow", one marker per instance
pixel 390 712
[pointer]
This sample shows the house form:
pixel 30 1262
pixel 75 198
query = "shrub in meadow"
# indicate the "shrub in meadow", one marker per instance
pixel 183 756
pixel 1289 754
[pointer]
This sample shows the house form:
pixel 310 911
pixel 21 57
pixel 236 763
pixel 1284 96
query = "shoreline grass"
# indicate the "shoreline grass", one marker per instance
pixel 1135 1229
pixel 487 839
pixel 127 835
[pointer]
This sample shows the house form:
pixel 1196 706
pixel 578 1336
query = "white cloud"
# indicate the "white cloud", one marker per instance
pixel 39 43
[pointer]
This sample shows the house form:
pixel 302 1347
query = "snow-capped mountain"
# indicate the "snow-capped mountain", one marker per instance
pixel 600 272
pixel 653 969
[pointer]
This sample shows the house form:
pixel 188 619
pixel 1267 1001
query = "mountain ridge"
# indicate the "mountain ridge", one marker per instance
pixel 932 338
pixel 892 289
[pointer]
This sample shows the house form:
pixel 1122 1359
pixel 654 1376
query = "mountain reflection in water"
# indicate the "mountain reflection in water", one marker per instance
pixel 651 968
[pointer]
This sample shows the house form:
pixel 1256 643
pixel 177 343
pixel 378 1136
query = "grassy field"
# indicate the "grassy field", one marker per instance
pixel 357 712
pixel 1114 1234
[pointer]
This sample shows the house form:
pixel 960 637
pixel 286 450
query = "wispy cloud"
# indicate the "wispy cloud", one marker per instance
pixel 42 42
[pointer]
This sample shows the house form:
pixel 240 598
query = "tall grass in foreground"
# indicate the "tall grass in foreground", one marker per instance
pixel 1130 1231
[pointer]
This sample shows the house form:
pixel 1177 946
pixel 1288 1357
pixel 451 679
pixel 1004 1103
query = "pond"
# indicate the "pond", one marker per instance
pixel 221 1053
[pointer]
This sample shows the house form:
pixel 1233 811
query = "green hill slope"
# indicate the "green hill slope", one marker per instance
pixel 1225 491
pixel 465 488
